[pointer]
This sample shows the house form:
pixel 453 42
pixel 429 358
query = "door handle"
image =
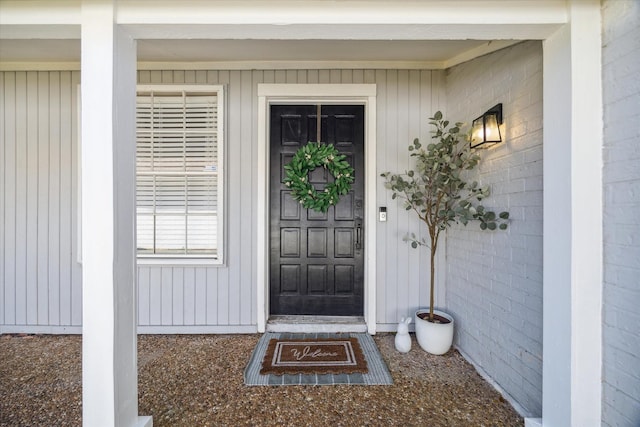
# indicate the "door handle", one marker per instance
pixel 358 225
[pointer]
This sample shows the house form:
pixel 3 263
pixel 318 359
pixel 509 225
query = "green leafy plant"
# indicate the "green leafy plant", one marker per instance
pixel 306 159
pixel 437 190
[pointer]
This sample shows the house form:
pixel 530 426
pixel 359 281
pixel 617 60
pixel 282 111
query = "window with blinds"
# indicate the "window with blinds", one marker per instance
pixel 179 170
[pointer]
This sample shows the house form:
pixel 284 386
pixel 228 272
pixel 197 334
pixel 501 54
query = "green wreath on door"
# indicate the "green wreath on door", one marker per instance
pixel 305 160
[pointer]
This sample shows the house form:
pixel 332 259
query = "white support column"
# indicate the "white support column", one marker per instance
pixel 109 353
pixel 573 141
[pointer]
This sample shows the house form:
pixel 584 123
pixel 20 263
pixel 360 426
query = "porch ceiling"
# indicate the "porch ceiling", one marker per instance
pixel 424 53
pixel 432 34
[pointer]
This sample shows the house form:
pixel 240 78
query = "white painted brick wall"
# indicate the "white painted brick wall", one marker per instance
pixel 621 293
pixel 494 279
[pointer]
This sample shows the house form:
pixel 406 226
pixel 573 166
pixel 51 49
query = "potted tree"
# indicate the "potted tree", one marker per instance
pixel 438 192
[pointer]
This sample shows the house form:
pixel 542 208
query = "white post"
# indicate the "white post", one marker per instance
pixel 573 141
pixel 109 353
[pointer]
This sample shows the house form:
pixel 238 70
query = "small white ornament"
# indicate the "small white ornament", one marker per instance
pixel 403 339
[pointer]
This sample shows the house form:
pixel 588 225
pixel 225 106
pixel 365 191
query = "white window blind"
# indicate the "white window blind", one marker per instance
pixel 179 136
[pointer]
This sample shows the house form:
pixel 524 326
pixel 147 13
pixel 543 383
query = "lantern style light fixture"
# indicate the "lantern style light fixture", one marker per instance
pixel 485 130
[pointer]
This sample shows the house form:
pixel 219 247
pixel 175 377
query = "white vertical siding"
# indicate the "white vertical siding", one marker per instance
pixel 405 101
pixel 225 296
pixel 40 278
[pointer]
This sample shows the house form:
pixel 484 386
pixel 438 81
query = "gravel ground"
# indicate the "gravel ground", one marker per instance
pixel 198 381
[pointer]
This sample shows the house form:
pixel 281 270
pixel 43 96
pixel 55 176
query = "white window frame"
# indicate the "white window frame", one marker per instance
pixel 196 259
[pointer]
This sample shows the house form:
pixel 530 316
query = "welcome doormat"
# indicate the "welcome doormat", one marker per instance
pixel 377 371
pixel 313 356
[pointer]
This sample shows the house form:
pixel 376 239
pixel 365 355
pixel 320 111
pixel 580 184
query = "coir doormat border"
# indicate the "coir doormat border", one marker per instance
pixel 378 372
pixel 313 356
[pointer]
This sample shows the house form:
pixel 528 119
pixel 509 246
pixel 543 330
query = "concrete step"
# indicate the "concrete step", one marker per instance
pixel 316 324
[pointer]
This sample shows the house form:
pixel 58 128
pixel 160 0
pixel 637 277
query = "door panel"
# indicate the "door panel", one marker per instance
pixel 316 258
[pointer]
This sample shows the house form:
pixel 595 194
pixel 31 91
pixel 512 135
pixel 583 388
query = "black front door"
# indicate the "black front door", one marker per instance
pixel 316 259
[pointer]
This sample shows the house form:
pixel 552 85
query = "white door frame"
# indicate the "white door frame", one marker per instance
pixel 359 94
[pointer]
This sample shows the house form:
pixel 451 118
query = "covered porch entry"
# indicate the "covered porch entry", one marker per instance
pixel 109 33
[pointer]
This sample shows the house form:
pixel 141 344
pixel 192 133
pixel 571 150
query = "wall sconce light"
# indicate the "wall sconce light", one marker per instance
pixel 486 128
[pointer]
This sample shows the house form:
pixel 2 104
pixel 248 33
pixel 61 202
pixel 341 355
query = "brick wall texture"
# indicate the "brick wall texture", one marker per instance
pixel 621 175
pixel 494 278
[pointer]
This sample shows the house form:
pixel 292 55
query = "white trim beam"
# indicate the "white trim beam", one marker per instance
pixel 573 206
pixel 285 12
pixel 299 20
pixel 109 352
pixel 310 12
pixel 534 31
pixel 40 12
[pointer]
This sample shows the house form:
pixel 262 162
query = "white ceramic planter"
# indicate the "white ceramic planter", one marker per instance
pixel 434 338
